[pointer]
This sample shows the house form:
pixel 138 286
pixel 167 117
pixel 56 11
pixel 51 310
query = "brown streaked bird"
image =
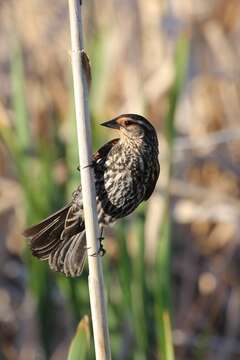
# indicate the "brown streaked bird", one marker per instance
pixel 126 171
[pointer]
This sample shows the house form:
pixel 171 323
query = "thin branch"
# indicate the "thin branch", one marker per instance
pixel 95 279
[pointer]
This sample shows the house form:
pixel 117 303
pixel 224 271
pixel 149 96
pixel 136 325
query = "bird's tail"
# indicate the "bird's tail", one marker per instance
pixel 61 240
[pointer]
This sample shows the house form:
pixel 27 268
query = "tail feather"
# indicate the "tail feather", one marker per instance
pixel 70 256
pixel 49 241
pixel 44 238
pixel 35 229
pixel 61 240
pixel 76 255
pixel 57 257
pixel 44 254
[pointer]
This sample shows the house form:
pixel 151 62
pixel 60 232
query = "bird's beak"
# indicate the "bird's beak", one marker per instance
pixel 111 124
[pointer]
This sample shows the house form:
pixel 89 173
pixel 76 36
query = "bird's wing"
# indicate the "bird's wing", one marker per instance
pixel 104 150
pixel 152 182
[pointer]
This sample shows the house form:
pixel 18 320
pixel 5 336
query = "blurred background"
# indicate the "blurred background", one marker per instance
pixel 172 268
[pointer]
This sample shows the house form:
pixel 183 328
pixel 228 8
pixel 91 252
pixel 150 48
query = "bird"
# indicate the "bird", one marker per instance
pixel 126 170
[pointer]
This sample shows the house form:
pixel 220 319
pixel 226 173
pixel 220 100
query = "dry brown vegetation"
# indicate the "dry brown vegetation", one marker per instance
pixel 132 45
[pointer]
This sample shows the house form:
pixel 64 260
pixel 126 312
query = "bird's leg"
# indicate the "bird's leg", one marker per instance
pixel 101 251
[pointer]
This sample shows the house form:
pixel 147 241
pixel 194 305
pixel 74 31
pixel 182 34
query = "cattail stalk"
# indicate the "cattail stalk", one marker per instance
pixel 95 279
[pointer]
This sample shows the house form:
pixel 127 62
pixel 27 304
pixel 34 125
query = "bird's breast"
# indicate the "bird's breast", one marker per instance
pixel 120 179
pixel 121 182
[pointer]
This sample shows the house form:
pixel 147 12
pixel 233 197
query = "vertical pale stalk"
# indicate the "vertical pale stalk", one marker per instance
pixel 164 296
pixel 95 280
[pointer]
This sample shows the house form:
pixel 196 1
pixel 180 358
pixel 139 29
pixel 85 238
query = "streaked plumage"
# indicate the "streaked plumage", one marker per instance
pixel 126 171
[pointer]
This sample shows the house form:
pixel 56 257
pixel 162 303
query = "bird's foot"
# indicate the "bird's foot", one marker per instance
pixel 101 251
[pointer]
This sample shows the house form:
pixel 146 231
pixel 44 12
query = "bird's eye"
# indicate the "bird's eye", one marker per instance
pixel 128 122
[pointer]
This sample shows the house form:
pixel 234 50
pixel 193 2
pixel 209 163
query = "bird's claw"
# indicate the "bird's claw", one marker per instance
pixel 101 251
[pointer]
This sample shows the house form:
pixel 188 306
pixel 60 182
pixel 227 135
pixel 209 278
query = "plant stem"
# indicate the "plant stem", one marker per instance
pixel 95 279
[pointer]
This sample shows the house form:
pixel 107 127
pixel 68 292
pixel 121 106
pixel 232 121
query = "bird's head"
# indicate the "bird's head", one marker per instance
pixel 131 126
